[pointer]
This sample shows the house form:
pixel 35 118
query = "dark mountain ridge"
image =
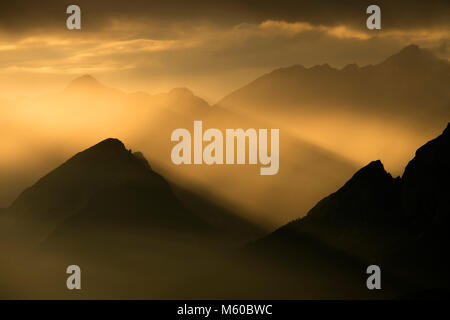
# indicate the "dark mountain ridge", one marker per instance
pixel 109 212
pixel 398 223
pixel 113 184
pixel 425 196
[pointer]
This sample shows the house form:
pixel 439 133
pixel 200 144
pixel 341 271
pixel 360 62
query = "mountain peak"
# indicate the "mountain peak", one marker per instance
pixel 105 185
pixel 410 52
pixel 105 163
pixel 84 82
pixel 110 152
pixel 182 91
pixel 374 167
pixel 410 49
pixel 373 173
pixel 322 67
pixel 107 146
pixel 110 143
pixel 411 56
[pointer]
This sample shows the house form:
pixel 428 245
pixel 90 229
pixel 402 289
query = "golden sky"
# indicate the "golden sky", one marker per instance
pixel 210 47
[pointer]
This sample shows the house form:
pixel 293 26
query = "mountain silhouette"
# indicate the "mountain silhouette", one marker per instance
pixel 184 102
pixel 88 85
pixel 88 108
pixel 107 210
pixel 84 82
pixel 413 83
pixel 105 184
pixel 425 184
pixel 413 57
pixel 177 99
pixel 99 110
pixel 384 110
pixel 398 223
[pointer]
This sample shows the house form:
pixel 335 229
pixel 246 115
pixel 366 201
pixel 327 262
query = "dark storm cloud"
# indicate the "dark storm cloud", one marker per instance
pixel 30 15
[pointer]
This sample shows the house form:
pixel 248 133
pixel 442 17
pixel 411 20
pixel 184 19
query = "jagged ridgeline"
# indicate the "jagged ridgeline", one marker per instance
pixel 398 223
pixel 355 89
pixel 132 233
pixel 105 185
pixel 106 210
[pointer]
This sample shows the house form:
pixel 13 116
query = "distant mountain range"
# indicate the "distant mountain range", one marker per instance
pixel 167 231
pixel 88 111
pixel 318 138
pixel 412 83
pixel 383 110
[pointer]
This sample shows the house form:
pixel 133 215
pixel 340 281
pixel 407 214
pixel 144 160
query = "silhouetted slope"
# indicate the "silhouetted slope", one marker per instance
pixel 362 211
pixel 106 183
pixel 330 243
pixel 400 224
pixel 426 208
pixel 426 185
pixel 107 211
pixel 341 235
pixel 230 223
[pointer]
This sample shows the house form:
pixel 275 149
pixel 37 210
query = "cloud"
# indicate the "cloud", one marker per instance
pixel 25 16
pixel 211 47
pixel 283 27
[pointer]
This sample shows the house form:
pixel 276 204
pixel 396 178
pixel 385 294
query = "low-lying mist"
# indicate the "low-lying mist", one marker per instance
pixel 318 152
